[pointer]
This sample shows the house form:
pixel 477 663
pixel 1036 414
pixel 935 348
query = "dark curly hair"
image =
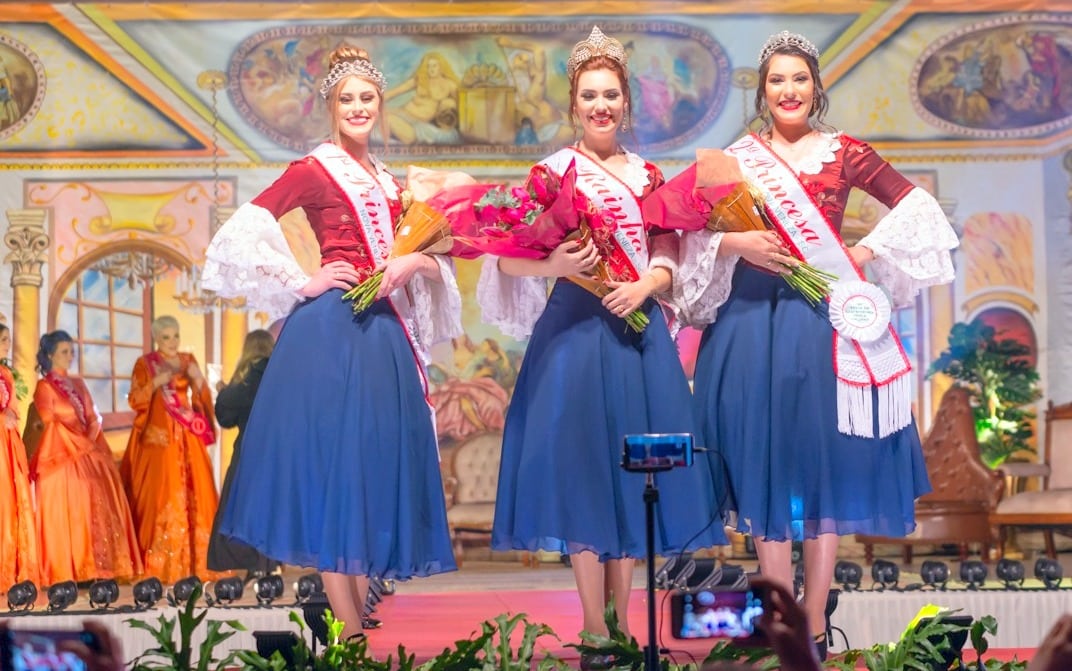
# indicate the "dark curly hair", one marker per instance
pixel 47 347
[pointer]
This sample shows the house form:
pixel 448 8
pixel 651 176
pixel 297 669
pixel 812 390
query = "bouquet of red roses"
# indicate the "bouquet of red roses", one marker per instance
pixel 713 193
pixel 530 222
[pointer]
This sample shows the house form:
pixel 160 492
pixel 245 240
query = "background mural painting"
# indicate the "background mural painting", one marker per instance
pixel 128 131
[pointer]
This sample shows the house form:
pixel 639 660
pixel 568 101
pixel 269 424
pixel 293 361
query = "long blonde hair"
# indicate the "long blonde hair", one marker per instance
pixel 258 345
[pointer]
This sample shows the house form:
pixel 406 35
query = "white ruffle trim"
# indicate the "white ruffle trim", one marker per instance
pixel 823 151
pixel 636 175
pixel 437 307
pixel 911 246
pixel 249 258
pixel 513 304
pixel 703 279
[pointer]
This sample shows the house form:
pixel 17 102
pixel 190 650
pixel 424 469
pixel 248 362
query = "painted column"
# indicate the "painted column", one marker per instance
pixel 28 241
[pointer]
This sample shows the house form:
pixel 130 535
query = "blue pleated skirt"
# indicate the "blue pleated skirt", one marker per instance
pixel 766 398
pixel 339 469
pixel 585 383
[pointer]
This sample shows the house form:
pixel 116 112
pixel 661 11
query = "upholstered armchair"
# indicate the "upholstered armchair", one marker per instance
pixel 964 490
pixel 471 488
pixel 1048 508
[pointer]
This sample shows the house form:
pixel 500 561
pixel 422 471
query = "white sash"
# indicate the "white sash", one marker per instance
pixel 366 196
pixel 859 366
pixel 605 192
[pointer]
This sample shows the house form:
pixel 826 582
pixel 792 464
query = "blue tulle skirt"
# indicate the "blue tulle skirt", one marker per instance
pixel 585 383
pixel 339 470
pixel 765 395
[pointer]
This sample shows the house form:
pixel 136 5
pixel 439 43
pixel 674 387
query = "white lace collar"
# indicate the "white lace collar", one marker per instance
pixel 822 151
pixel 386 179
pixel 636 173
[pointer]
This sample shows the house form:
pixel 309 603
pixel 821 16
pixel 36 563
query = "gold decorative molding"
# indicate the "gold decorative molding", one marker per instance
pixel 1006 297
pixel 222 214
pixel 28 242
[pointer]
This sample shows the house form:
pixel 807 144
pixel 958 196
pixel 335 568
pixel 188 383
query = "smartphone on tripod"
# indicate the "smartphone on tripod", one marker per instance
pixel 653 452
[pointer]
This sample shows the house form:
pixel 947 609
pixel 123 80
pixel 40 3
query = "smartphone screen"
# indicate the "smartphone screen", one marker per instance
pixel 657 451
pixel 717 614
pixel 38 650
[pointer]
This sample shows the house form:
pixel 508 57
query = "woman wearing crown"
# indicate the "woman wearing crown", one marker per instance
pixel 810 406
pixel 341 473
pixel 587 379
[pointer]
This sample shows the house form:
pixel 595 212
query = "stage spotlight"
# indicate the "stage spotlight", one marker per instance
pixel 934 573
pixel 885 574
pixel 103 593
pixel 147 592
pixel 973 573
pixel 1010 572
pixel 183 590
pixel 21 596
pixel 849 575
pixel 307 586
pixel 62 595
pixel 313 614
pixel 227 590
pixel 268 589
pixel 283 642
pixel 1049 572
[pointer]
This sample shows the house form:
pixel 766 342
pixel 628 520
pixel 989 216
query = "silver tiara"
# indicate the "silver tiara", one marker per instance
pixel 596 44
pixel 787 39
pixel 359 67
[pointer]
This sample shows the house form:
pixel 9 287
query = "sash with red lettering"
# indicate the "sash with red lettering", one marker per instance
pixel 615 201
pixel 369 203
pixel 868 355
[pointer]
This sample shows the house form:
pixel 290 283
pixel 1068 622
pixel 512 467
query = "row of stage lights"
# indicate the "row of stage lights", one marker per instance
pixel 22 596
pixel 936 575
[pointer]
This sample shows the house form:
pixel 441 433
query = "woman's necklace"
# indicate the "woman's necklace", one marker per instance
pixel 595 156
pixel 794 152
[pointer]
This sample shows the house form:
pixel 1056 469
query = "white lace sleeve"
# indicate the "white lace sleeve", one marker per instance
pixel 665 249
pixel 249 258
pixel 703 279
pixel 911 246
pixel 437 306
pixel 511 303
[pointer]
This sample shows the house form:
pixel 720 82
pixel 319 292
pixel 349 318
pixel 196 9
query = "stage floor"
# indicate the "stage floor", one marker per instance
pixel 430 614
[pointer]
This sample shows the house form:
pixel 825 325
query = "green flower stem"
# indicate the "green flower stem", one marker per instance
pixel 811 282
pixel 363 295
pixel 637 320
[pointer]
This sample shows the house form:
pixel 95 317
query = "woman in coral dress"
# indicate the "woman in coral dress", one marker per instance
pixel 83 519
pixel 166 467
pixel 18 540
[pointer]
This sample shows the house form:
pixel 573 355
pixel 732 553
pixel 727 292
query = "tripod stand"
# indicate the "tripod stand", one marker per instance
pixel 651 497
pixel 649 453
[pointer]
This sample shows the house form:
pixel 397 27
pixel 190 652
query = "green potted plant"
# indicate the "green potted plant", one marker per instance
pixel 1002 382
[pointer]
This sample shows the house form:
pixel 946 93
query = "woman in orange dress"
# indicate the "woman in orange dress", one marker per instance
pixel 166 468
pixel 83 520
pixel 18 539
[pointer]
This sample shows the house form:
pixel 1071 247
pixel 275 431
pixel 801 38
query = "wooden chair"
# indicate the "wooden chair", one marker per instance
pixel 964 490
pixel 1050 507
pixel 471 488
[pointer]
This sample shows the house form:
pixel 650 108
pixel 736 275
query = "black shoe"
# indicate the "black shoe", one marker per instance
pixel 371 623
pixel 820 646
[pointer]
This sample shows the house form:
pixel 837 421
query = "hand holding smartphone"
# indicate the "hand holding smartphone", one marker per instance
pixel 724 614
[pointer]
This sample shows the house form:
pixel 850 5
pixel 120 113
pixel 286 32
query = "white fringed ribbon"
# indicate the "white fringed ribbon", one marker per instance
pixel 878 360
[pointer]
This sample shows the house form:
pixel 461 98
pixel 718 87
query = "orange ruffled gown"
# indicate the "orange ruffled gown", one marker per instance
pixel 83 519
pixel 18 536
pixel 168 476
